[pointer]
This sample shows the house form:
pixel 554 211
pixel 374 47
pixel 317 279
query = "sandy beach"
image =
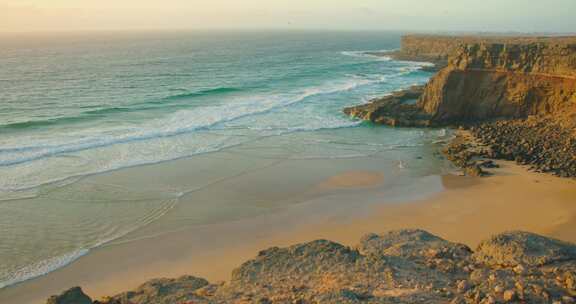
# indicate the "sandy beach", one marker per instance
pixel 199 152
pixel 471 209
pixel 512 199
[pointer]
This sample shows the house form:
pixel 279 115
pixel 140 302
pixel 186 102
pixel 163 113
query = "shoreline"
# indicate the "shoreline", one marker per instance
pixel 320 189
pixel 468 210
pixel 502 199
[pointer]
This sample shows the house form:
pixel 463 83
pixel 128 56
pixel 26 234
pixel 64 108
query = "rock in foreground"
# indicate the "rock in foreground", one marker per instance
pixel 73 295
pixel 405 266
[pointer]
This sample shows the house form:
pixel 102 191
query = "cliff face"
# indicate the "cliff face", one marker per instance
pixel 439 48
pixel 428 48
pixel 554 59
pixel 520 92
pixel 486 81
pixel 486 78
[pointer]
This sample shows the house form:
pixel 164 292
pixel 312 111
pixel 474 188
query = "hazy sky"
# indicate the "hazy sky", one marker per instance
pixel 454 15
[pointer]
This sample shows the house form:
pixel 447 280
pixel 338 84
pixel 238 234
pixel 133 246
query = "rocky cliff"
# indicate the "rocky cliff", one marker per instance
pixel 490 80
pixel 435 49
pixel 438 48
pixel 529 82
pixel 405 266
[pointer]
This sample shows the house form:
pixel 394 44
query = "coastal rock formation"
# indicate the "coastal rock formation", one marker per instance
pixel 73 295
pixel 405 266
pixel 439 48
pixel 519 93
pixel 164 291
pixel 428 48
pixel 488 81
pixel 411 244
pixel 467 153
pixel 522 248
pixel 538 142
pixel 541 143
pixel 485 81
pixel 398 109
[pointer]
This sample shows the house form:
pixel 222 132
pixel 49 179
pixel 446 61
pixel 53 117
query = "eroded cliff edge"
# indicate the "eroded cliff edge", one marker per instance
pixel 527 84
pixel 488 81
pixel 439 48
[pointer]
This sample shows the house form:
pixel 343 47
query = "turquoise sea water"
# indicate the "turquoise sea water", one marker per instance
pixel 75 105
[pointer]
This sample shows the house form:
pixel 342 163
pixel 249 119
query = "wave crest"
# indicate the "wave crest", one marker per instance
pixel 164 103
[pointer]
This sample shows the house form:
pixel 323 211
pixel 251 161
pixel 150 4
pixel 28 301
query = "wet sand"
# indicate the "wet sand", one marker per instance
pixel 472 209
pixel 469 210
pixel 354 179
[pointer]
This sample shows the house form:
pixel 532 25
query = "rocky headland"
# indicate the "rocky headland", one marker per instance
pixel 403 266
pixel 397 109
pixel 517 94
pixel 438 49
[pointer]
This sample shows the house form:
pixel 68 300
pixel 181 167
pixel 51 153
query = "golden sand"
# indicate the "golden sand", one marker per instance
pixel 470 210
pixel 353 179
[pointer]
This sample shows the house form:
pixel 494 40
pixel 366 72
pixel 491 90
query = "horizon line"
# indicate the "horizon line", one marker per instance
pixel 284 29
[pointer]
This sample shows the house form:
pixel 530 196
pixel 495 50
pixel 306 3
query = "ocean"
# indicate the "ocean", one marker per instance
pixel 76 106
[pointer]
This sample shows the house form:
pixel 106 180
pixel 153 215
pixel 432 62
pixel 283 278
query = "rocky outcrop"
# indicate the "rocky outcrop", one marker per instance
pixel 427 48
pixel 488 81
pixel 537 142
pixel 405 266
pixel 470 155
pixel 542 143
pixel 529 82
pixel 164 291
pixel 525 249
pixel 485 81
pixel 398 109
pixel 439 48
pixel 73 295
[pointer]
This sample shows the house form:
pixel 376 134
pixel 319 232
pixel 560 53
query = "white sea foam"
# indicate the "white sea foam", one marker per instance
pixel 48 265
pixel 182 122
pixel 375 55
pixel 22 160
pixel 42 267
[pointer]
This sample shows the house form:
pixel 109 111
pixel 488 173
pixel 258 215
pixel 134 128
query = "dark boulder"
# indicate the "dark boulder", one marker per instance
pixel 73 295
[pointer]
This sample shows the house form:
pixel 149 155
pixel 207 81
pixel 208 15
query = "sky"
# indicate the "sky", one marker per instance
pixel 411 15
